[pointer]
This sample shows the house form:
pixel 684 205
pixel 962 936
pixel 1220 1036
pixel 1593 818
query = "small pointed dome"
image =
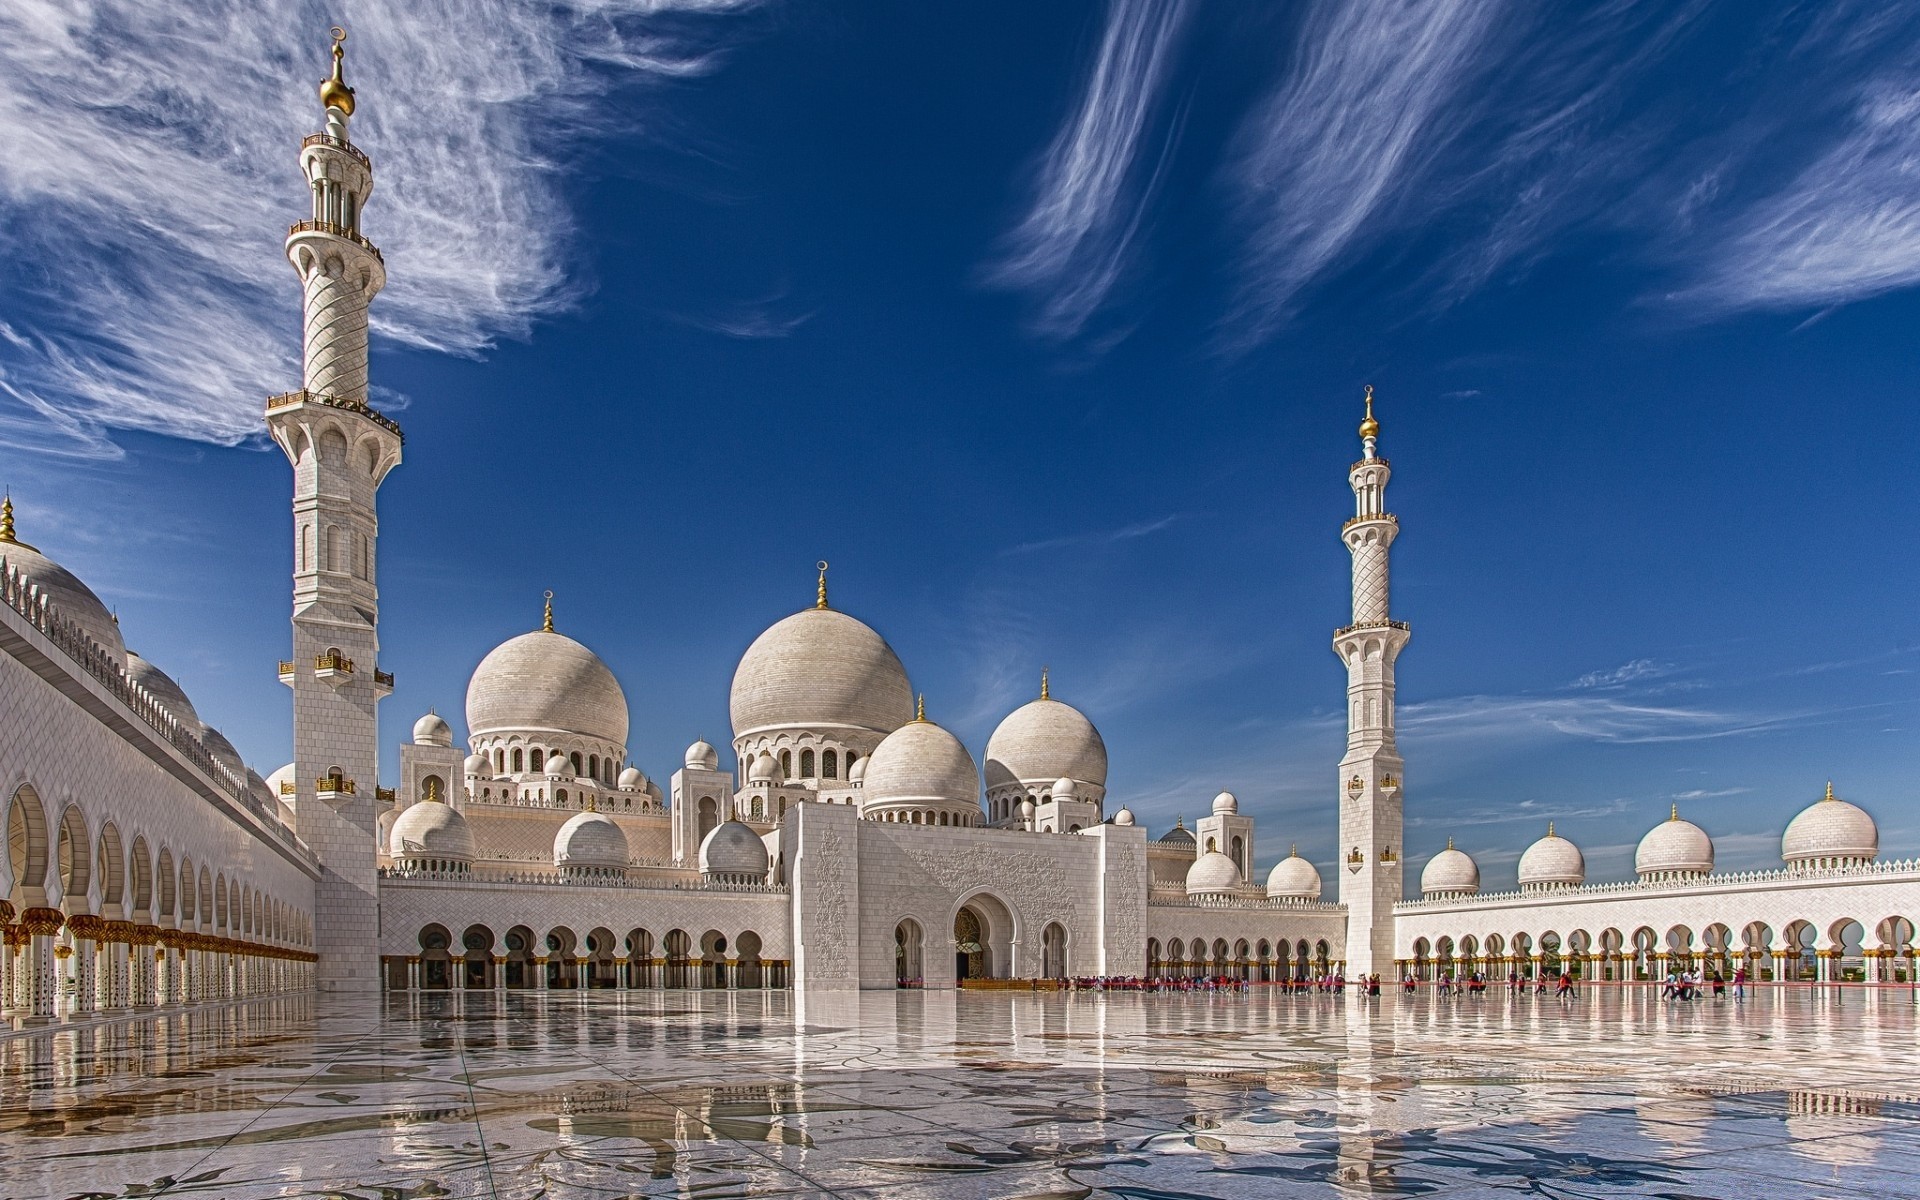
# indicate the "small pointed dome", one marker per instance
pixel 1064 789
pixel 764 769
pixel 1179 835
pixel 1552 862
pixel 479 766
pixel 590 841
pixel 857 773
pixel 161 687
pixel 1213 874
pixel 631 779
pixel 432 730
pixel 65 594
pixel 701 756
pixel 222 750
pixel 558 767
pixel 732 850
pixel 1450 873
pixel 1225 805
pixel 1043 740
pixel 1123 817
pixel 1027 810
pixel 1831 832
pixel 431 829
pixel 1293 878
pixel 920 763
pixel 1674 847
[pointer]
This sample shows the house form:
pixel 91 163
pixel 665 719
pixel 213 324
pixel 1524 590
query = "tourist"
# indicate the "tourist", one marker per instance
pixel 1739 984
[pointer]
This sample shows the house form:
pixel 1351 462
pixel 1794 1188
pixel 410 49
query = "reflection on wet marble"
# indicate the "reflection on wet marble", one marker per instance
pixel 990 1095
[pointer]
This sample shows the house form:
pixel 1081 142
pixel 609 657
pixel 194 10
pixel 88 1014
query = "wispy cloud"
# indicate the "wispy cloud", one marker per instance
pixel 1103 537
pixel 1639 668
pixel 1847 225
pixel 1092 189
pixel 147 167
pixel 1351 122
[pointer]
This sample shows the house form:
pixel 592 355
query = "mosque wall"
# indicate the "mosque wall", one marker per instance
pixel 1243 931
pixel 78 765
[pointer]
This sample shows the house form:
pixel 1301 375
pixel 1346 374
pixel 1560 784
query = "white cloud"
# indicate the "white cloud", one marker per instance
pixel 1089 198
pixel 1639 668
pixel 1350 124
pixel 147 174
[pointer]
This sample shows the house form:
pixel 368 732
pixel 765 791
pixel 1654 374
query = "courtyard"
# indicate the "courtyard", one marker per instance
pixel 1796 1092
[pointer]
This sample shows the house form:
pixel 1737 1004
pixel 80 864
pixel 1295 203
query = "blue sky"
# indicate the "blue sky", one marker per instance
pixel 1047 326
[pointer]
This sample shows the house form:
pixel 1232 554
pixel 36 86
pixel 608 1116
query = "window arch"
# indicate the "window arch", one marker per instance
pixel 520 760
pixel 806 764
pixel 829 765
pixel 786 764
pixel 593 765
pixel 574 758
pixel 536 759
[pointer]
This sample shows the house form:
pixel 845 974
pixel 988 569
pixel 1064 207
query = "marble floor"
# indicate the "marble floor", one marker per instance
pixel 932 1094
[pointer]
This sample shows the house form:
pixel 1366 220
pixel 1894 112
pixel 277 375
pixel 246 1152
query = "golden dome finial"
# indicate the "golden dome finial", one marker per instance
pixel 9 533
pixel 1369 427
pixel 1675 814
pixel 6 521
pixel 821 600
pixel 1549 833
pixel 920 707
pixel 546 621
pixel 1449 841
pixel 1043 685
pixel 334 92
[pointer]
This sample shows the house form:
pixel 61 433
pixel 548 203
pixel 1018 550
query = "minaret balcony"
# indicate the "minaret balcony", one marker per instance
pixel 341 144
pixel 333 667
pixel 331 787
pixel 1389 784
pixel 383 795
pixel 1388 518
pixel 289 399
pixel 337 230
pixel 1361 626
pixel 286 671
pixel 383 681
pixel 289 788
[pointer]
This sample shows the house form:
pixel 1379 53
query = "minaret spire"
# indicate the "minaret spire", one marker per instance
pixel 546 618
pixel 1370 789
pixel 1044 695
pixel 820 601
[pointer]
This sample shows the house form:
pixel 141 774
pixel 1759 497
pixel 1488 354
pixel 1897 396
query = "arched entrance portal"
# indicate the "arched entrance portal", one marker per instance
pixel 983 940
pixel 971 957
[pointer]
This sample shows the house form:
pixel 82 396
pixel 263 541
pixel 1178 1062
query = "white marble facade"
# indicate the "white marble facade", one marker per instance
pixel 851 843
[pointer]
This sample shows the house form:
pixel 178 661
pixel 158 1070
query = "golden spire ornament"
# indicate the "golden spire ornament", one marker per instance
pixel 6 521
pixel 8 530
pixel 920 708
pixel 334 92
pixel 821 599
pixel 1369 427
pixel 1043 684
pixel 546 619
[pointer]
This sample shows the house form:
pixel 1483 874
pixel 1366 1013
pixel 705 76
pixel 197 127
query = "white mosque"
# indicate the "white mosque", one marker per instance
pixel 854 844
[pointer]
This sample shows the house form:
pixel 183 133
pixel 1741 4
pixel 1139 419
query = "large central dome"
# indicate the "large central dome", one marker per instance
pixel 821 669
pixel 543 682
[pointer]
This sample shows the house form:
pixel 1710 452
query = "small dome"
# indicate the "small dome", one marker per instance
pixel 1027 809
pixel 1212 874
pixel 1179 835
pixel 1064 789
pixel 1042 741
pixel 283 775
pixel 65 594
pixel 161 687
pixel 1831 830
pixel 701 756
pixel 1225 805
pixel 857 773
pixel 1674 847
pixel 1123 817
pixel 591 840
pixel 258 789
pixel 823 669
pixel 1293 878
pixel 1553 861
pixel 733 849
pixel 764 769
pixel 632 780
pixel 1451 873
pixel 558 767
pixel 222 750
pixel 543 682
pixel 479 766
pixel 431 829
pixel 921 763
pixel 432 730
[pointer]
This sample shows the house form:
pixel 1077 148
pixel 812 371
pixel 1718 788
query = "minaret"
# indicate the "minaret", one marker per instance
pixel 341 450
pixel 1370 790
